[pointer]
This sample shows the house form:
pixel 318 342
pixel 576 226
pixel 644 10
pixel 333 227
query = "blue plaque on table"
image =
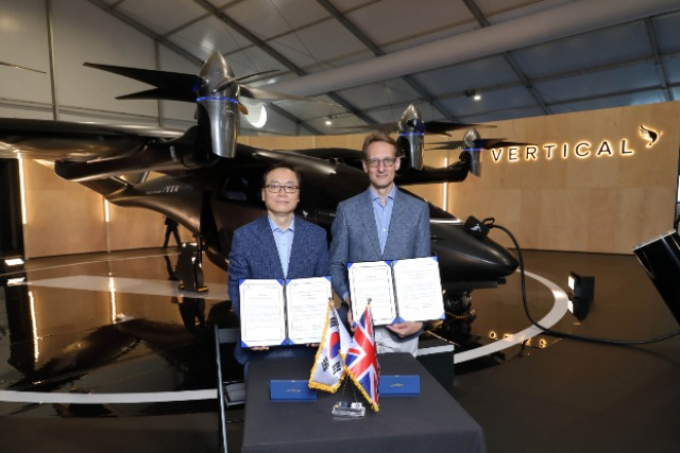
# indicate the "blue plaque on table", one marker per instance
pixel 399 385
pixel 291 391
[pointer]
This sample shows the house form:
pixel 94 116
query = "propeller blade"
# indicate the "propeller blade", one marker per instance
pixel 442 127
pixel 448 145
pixel 387 128
pixel 501 143
pixel 174 86
pixel 255 74
pixel 261 94
pixel 485 143
pixel 15 66
pixel 224 83
pixel 156 93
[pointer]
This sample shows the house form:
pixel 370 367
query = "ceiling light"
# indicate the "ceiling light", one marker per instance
pixel 328 122
pixel 15 281
pixel 477 97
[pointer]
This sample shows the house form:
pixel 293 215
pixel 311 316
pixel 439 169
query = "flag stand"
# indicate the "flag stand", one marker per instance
pixel 348 409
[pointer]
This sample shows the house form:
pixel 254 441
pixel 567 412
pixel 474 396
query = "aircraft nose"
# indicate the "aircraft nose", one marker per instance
pixel 466 257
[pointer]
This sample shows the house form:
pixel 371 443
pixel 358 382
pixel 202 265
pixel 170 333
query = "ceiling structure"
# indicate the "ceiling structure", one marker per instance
pixel 372 58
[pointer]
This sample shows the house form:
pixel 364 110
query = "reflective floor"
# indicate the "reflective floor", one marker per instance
pixel 116 324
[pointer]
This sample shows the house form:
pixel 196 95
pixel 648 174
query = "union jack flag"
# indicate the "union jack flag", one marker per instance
pixel 361 361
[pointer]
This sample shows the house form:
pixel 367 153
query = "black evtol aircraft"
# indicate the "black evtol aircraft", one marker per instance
pixel 211 183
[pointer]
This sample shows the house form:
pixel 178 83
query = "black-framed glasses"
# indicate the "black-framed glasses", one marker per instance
pixel 386 161
pixel 276 188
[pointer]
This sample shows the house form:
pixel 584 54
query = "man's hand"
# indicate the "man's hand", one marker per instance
pixel 405 329
pixel 350 318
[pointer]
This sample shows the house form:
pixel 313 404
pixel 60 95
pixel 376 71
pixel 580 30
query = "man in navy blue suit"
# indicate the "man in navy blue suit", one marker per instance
pixel 277 246
pixel 382 223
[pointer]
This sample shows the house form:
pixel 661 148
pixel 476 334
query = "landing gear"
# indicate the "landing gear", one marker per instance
pixel 189 268
pixel 459 317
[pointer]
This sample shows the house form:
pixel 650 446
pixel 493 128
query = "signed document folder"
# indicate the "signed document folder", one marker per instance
pixel 279 313
pixel 399 290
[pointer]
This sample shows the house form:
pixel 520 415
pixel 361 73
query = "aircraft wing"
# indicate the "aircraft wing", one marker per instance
pixel 77 142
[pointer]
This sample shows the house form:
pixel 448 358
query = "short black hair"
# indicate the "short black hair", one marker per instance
pixel 285 165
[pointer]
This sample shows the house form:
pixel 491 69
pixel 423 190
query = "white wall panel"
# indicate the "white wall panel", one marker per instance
pixel 205 36
pixel 476 74
pixel 435 14
pixel 86 33
pixel 23 41
pixel 162 16
pixel 21 111
pixel 268 18
pixel 104 118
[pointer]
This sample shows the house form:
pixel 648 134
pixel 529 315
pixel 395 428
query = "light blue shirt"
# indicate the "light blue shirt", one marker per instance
pixel 383 215
pixel 284 242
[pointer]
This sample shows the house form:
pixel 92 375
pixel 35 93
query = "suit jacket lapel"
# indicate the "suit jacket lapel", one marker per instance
pixel 269 246
pixel 367 216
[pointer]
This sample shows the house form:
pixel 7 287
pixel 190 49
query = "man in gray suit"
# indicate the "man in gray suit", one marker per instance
pixel 382 223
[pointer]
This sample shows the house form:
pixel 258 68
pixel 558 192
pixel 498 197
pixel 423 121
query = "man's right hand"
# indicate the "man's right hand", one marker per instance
pixel 350 318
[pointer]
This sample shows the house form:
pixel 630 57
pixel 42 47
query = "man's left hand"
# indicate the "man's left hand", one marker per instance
pixel 405 329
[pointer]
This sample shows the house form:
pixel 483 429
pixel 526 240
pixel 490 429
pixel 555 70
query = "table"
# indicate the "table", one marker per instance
pixel 431 422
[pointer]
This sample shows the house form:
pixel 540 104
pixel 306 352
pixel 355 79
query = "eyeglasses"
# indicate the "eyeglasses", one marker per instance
pixel 387 161
pixel 276 188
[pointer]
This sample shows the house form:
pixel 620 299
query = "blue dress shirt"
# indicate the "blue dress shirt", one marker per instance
pixel 383 214
pixel 284 242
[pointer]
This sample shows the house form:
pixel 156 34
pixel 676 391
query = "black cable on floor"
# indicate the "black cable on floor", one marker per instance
pixel 489 224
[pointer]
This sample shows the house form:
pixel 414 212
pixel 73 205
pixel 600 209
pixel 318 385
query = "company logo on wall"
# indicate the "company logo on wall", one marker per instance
pixel 581 150
pixel 649 134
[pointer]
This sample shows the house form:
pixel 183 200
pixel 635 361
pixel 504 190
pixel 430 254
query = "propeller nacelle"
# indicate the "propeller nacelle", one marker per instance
pixel 411 139
pixel 219 96
pixel 470 139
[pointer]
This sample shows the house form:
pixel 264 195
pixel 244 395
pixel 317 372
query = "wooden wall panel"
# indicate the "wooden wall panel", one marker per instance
pixel 62 218
pixel 131 228
pixel 605 202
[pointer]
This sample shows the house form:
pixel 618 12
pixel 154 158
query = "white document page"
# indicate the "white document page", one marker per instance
pixel 372 280
pixel 418 289
pixel 263 321
pixel 306 305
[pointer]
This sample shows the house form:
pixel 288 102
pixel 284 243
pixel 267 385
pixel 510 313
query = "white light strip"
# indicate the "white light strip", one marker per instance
pixel 104 398
pixel 107 214
pixel 112 292
pixel 34 327
pixel 22 189
pixel 447 221
pixel 15 281
pixel 446 187
pixel 14 262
